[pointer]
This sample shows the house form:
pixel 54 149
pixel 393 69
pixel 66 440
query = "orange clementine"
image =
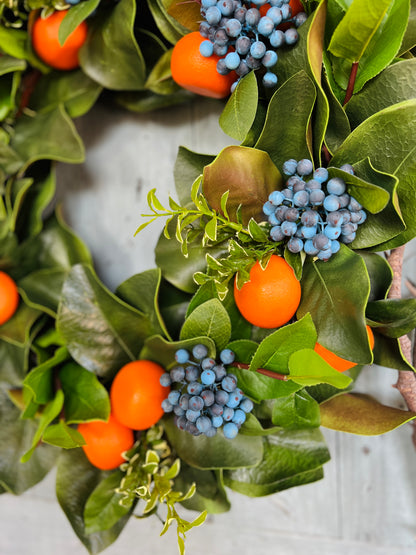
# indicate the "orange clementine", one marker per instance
pixel 337 362
pixel 136 394
pixel 105 442
pixel 9 297
pixel 271 297
pixel 47 46
pixel 196 73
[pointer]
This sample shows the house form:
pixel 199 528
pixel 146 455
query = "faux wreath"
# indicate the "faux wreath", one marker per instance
pixel 323 182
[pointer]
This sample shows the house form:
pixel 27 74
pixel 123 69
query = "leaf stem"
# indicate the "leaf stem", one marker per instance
pixel 264 371
pixel 351 82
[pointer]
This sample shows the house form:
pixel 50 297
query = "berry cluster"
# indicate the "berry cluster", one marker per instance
pixel 313 215
pixel 245 38
pixel 207 396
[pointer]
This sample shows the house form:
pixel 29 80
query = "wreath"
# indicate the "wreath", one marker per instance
pixel 279 268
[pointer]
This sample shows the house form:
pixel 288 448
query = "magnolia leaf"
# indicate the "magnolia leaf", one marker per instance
pixel 40 379
pixel 209 320
pixel 239 112
pixel 290 458
pixel 16 437
pixel 214 452
pixel 160 78
pixel 356 413
pixel 296 411
pixel 339 318
pixel 392 317
pixel 287 124
pixel 76 479
pixel 102 332
pixel 188 166
pixel 42 289
pixel 103 509
pixel 111 55
pixel 248 174
pixel 209 495
pixel 17 329
pixel 308 368
pixel 85 397
pixel 75 16
pixel 380 273
pixel 388 352
pixel 63 436
pixel 162 351
pixel 187 14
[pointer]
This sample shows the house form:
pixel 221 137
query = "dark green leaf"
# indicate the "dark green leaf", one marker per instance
pixel 40 379
pixel 215 452
pixel 85 397
pixel 286 132
pixel 74 17
pixel 42 289
pixel 297 411
pixel 162 351
pixel 239 112
pixel 173 304
pixel 15 438
pixel 160 78
pixel 380 274
pixel 356 413
pixel 291 458
pixel 17 329
pixel 409 39
pixel 63 436
pixel 388 353
pixel 14 362
pixel 392 317
pixel 102 332
pixel 111 55
pixel 338 125
pixel 188 166
pixel 248 174
pixel 210 494
pixel 146 101
pixel 103 509
pixel 209 320
pixel 75 481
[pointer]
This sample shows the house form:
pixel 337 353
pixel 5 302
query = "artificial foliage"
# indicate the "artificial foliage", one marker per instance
pixel 345 94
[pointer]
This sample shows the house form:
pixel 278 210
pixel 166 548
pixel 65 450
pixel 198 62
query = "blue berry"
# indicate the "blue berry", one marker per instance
pixel 191 373
pixel 229 383
pixel 220 372
pixel 184 401
pixel 233 27
pixel 336 186
pixel 335 246
pixel 347 168
pixel 206 48
pixel 246 405
pixel 213 15
pixel 289 228
pixel 332 232
pixel 203 423
pixel 194 388
pixel 217 421
pixel 177 374
pixel 226 7
pixel 269 80
pixel 308 232
pixel 275 15
pixel 309 218
pixel 227 356
pixel 239 417
pixel 325 254
pixel 196 403
pixel 221 397
pixel 276 198
pixel 165 380
pixel 208 376
pixel 211 432
pixel 178 410
pixel 291 36
pixel 331 203
pixel 301 198
pixel 295 245
pixel 242 45
pixel 230 430
pixel 316 197
pixel 300 19
pixel 208 397
pixel 258 49
pixel 207 363
pixel 321 175
pixel 192 415
pixel 199 352
pixel 173 397
pixel 228 414
pixel 265 26
pixel 304 167
pixel 310 248
pixel 252 17
pixel 269 58
pixel 268 208
pixel 216 409
pixel 277 38
pixel 167 405
pixel 276 233
pixel 181 356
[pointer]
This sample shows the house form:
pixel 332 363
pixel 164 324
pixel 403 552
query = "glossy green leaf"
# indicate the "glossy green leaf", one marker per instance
pixel 210 494
pixel 338 125
pixel 388 352
pixel 308 368
pixel 141 291
pixel 63 436
pixel 356 413
pixel 291 458
pixel 188 166
pixel 173 304
pixel 248 174
pixel 209 320
pixel 17 329
pixel 393 85
pixel 297 411
pixel 50 135
pixel 102 332
pixel 284 137
pixel 215 452
pixel 339 318
pixel 160 78
pixel 170 28
pixel 74 16
pixel 16 437
pixel 147 101
pixel 111 55
pixel 103 509
pixel 380 274
pixel 75 481
pixel 10 64
pixel 40 379
pixel 392 317
pixel 13 365
pixel 42 289
pixel 85 397
pixel 239 112
pixel 163 352
pixel 74 90
pixel 409 39
pixel 253 427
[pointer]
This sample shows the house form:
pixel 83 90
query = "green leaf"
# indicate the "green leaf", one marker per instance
pixel 160 78
pixel 388 353
pixel 50 412
pixel 85 397
pixel 63 436
pixel 380 273
pixel 16 437
pixel 209 495
pixel 308 368
pixel 338 125
pixel 284 136
pixel 352 36
pixel 42 289
pixel 102 332
pixel 392 317
pixel 356 413
pixel 14 363
pixel 239 112
pixel 395 84
pixel 162 351
pixel 17 329
pixel 74 17
pixel 50 136
pixel 409 39
pixel 209 320
pixel 248 174
pixel 75 481
pixel 40 379
pixel 141 291
pixel 111 55
pixel 73 89
pixel 10 64
pixel 215 452
pixel 103 509
pixel 170 28
pixel 297 411
pixel 339 319
pixel 291 458
pixel 188 166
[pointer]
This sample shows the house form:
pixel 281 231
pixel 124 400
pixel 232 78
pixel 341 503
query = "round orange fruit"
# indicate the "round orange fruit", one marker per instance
pixel 136 394
pixel 9 297
pixel 271 297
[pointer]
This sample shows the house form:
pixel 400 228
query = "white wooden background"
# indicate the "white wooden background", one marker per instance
pixel 366 503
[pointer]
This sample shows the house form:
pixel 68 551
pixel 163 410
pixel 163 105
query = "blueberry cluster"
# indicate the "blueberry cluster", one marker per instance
pixel 313 215
pixel 245 38
pixel 205 397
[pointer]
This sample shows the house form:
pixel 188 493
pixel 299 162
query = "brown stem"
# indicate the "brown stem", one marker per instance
pixel 351 82
pixel 263 371
pixel 406 382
